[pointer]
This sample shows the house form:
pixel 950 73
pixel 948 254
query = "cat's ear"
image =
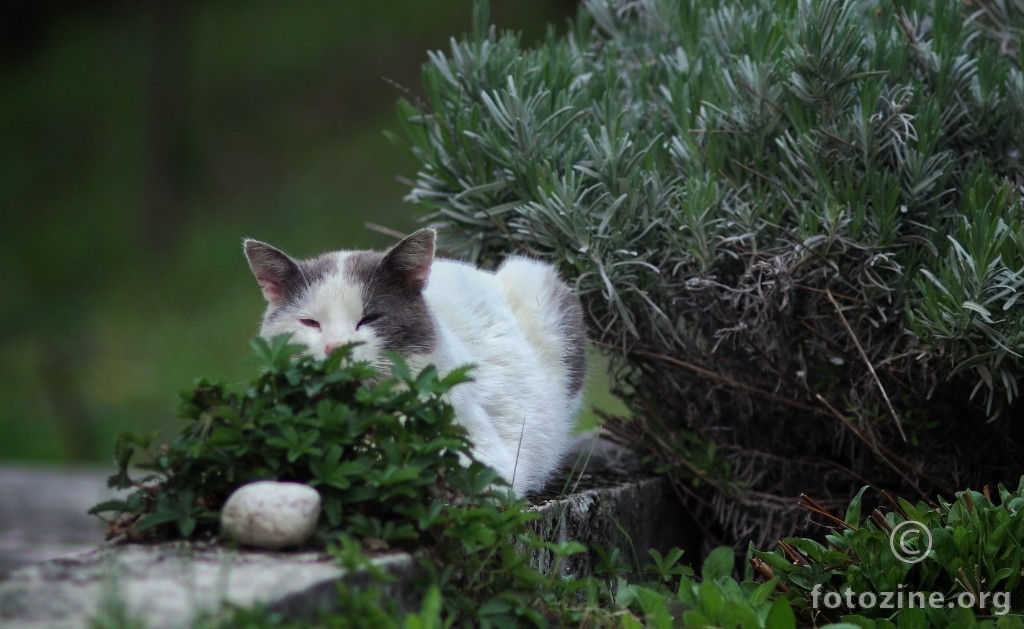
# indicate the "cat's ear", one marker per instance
pixel 278 275
pixel 411 258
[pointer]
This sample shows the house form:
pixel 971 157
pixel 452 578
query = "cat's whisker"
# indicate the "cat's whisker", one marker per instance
pixel 519 449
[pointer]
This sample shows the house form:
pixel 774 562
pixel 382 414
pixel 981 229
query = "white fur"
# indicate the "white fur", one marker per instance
pixel 517 410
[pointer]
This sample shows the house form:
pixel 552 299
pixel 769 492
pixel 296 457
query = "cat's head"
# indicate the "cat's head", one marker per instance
pixel 336 298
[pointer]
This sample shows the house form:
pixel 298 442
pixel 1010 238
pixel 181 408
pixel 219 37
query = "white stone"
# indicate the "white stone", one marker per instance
pixel 269 514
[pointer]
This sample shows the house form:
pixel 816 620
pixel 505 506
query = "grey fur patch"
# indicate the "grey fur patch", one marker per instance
pixel 405 325
pixel 316 270
pixel 294 277
pixel 360 266
pixel 274 267
pixel 573 327
pixel 411 258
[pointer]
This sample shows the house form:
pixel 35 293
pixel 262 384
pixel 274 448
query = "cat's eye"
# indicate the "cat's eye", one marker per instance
pixel 310 323
pixel 370 318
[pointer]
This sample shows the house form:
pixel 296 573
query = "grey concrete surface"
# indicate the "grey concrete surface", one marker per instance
pixel 169 585
pixel 43 513
pixel 179 584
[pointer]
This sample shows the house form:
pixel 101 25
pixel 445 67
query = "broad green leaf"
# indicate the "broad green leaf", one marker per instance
pixel 780 616
pixel 853 510
pixel 719 563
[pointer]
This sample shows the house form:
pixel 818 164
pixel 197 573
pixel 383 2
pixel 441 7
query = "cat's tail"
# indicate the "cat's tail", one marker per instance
pixel 550 313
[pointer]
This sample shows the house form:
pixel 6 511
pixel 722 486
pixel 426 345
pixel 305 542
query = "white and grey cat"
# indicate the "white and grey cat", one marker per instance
pixel 521 326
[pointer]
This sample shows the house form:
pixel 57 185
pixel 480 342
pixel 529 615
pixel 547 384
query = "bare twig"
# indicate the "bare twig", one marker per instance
pixel 387 231
pixel 867 361
pixel 896 463
pixel 895 503
pixel 771 180
pixel 812 505
pixel 726 380
pixel 791 553
pixel 880 521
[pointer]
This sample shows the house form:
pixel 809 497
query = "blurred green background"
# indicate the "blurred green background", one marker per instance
pixel 140 141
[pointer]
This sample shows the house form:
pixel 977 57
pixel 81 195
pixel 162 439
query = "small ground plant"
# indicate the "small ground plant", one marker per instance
pixel 382 452
pixel 950 564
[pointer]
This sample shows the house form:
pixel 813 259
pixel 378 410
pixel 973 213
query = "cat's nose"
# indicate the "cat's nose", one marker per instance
pixel 330 347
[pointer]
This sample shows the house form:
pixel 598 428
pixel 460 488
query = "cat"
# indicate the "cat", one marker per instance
pixel 521 326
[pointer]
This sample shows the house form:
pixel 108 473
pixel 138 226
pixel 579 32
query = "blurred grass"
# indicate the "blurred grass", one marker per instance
pixel 284 108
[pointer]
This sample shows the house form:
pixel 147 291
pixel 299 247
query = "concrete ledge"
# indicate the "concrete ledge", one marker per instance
pixel 172 585
pixel 165 585
pixel 43 513
pixel 632 516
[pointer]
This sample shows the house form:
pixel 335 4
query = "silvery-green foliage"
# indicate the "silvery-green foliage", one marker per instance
pixel 796 226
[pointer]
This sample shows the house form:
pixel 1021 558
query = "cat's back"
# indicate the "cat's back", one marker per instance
pixel 462 295
pixel 551 316
pixel 524 310
pixel 469 305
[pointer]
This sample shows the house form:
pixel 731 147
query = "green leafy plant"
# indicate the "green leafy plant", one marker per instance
pixel 967 551
pixel 718 600
pixel 382 452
